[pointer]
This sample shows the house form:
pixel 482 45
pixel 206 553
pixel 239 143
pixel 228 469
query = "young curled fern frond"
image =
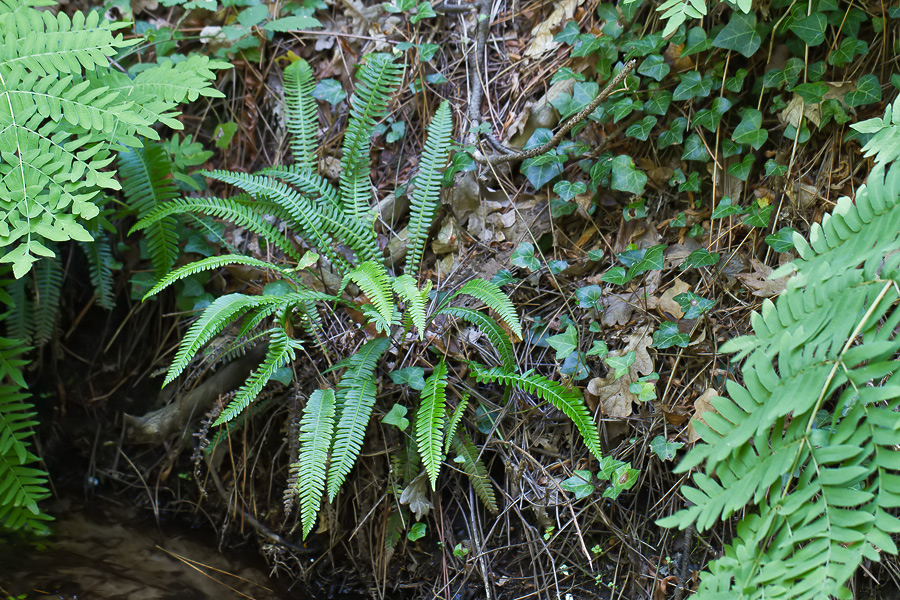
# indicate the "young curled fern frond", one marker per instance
pixel 372 279
pixel 409 292
pixel 487 326
pixel 214 262
pixel 430 422
pixel 427 184
pixel 494 298
pixel 280 352
pixel 300 113
pixel 316 435
pixel 473 467
pixel 239 210
pixel 567 400
pixel 355 399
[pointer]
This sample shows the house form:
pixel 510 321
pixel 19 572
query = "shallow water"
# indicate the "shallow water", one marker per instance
pixel 116 554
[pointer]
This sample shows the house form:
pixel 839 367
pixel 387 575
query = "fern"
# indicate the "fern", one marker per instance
pixel 430 422
pixel 19 320
pixel 427 184
pixel 489 327
pixel 212 262
pixel 355 398
pixel 815 496
pixel 475 470
pixel 495 299
pixel 378 78
pixel 300 109
pixel 280 352
pixel 48 279
pixel 372 279
pixel 567 400
pixel 884 144
pixel 146 174
pixel 63 111
pixel 453 421
pixel 316 432
pixel 100 266
pixel 406 288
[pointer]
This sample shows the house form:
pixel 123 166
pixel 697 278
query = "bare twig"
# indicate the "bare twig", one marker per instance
pixel 538 150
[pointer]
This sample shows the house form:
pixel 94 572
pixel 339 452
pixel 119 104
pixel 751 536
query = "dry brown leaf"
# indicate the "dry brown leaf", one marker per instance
pixel 667 302
pixel 542 35
pixel 613 395
pixel 701 405
pixel 416 495
pixel 758 280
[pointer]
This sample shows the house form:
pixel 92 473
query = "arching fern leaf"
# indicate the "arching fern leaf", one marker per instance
pixel 316 433
pixel 473 467
pixel 453 421
pixel 100 266
pixel 487 326
pixel 372 279
pixel 48 279
pixel 213 262
pixel 300 112
pixel 494 298
pixel 430 422
pixel 406 288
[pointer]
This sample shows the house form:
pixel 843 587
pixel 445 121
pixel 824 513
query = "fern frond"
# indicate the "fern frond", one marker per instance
pixel 300 113
pixel 406 288
pixel 494 298
pixel 280 352
pixel 430 422
pixel 475 470
pixel 307 181
pixel 214 262
pixel 100 266
pixel 372 279
pixel 567 400
pixel 488 326
pixel 316 434
pixel 884 144
pixel 238 210
pixel 147 184
pixel 427 184
pixel 453 421
pixel 378 78
pixel 355 399
pixel 20 318
pixel 48 280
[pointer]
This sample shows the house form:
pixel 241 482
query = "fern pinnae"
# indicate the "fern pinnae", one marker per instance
pixel 355 399
pixel 473 467
pixel 307 181
pixel 100 263
pixel 430 422
pixel 316 435
pixel 494 298
pixel 48 280
pixel 406 288
pixel 300 112
pixel 454 419
pixel 489 327
pixel 280 352
pixel 427 184
pixel 565 399
pixel 209 263
pixel 372 279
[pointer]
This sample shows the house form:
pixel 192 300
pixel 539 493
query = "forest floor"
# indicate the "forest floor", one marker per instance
pixel 638 256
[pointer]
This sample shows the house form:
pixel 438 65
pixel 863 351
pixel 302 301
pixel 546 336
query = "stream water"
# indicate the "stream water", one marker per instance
pixel 116 553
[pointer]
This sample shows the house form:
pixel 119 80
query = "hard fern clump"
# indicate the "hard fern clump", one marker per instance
pixel 807 447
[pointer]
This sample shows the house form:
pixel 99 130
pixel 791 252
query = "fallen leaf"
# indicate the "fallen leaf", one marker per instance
pixel 701 405
pixel 416 495
pixel 612 394
pixel 542 35
pixel 758 280
pixel 666 302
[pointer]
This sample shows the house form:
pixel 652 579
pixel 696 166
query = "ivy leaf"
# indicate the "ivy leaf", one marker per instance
pixel 569 34
pixel 655 67
pixel 575 366
pixel 868 90
pixel 579 484
pixel 758 217
pixel 540 170
pixel 710 117
pixel 693 305
pixel 589 296
pixel 773 168
pixel 557 266
pixel 740 35
pixel 680 220
pixel 741 170
pixel 695 149
pixel 423 11
pixel 692 85
pixel 847 51
pixel 701 257
pixel 664 449
pixel 696 42
pixel 564 343
pixel 668 335
pixel 503 277
pixel 651 261
pixel 736 83
pixel 564 73
pixel 524 257
pixel 397 417
pixel 748 130
pixel 568 190
pixel 644 390
pixel 782 240
pixel 674 135
pixel 658 103
pixel 640 130
pixel 329 90
pixel 623 479
pixel 615 275
pixel 414 377
pixel 812 93
pixel 625 177
pixel 417 531
pixel 620 364
pixel 810 29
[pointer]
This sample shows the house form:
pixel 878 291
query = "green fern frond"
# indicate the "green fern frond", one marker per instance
pixel 100 267
pixel 377 80
pixel 372 279
pixel 488 326
pixel 280 352
pixel 48 280
pixel 214 262
pixel 567 400
pixel 147 184
pixel 494 298
pixel 406 288
pixel 307 181
pixel 815 494
pixel 316 434
pixel 884 144
pixel 453 421
pixel 355 399
pixel 427 184
pixel 475 470
pixel 300 113
pixel 20 318
pixel 430 422
pixel 238 210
